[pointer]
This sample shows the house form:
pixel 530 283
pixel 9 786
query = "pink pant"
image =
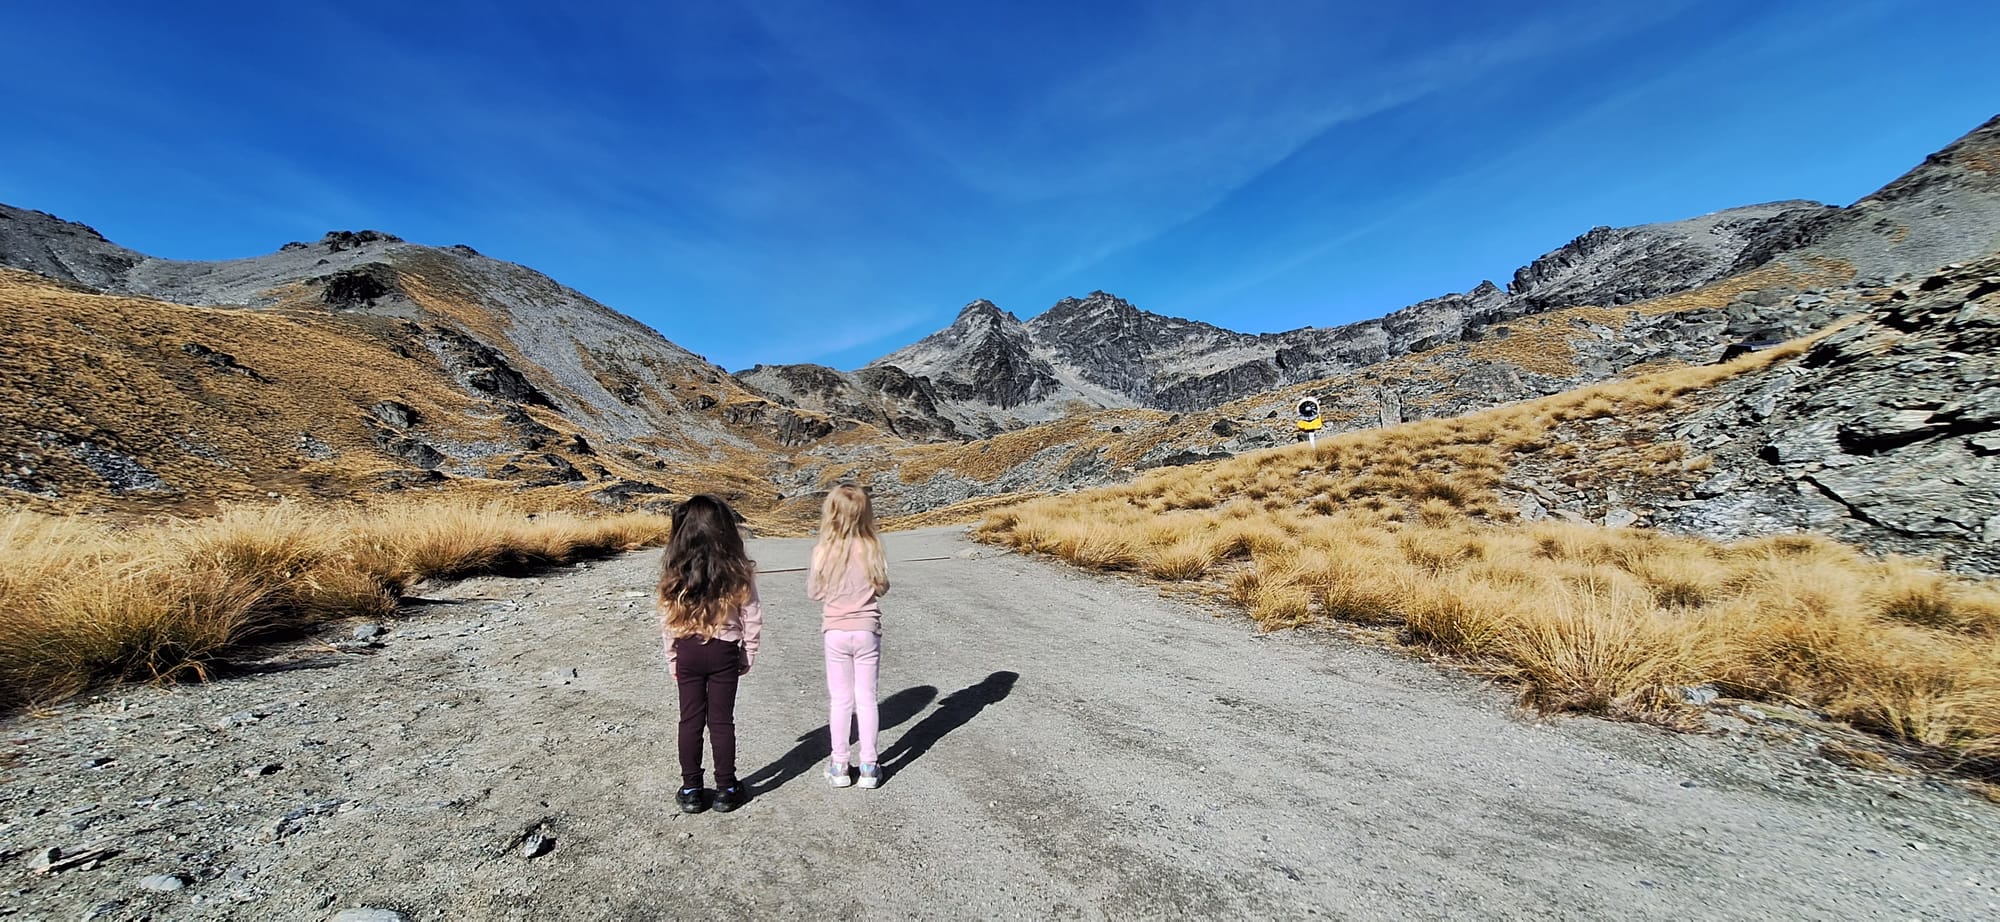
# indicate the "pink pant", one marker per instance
pixel 853 659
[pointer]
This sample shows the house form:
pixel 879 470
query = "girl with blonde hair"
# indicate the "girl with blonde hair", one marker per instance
pixel 849 575
pixel 710 621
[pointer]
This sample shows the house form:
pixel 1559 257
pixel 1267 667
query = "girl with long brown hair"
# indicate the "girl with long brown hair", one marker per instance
pixel 710 622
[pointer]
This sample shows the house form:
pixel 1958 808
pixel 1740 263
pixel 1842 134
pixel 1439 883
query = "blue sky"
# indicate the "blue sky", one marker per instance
pixel 807 181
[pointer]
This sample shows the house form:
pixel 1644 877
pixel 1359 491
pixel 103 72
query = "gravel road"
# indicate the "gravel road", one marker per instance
pixel 1059 745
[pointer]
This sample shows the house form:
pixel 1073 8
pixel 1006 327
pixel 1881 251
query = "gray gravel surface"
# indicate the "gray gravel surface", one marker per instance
pixel 1059 745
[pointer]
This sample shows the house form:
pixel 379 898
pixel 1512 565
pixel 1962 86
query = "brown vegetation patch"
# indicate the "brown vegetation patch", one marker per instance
pixel 84 602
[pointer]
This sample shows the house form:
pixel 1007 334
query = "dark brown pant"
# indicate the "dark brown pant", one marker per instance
pixel 707 673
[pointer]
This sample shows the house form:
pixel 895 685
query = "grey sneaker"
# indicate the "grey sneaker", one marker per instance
pixel 836 775
pixel 871 775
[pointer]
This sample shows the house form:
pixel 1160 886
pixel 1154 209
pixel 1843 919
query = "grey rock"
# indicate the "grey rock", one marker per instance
pixel 163 883
pixel 537 845
pixel 121 473
pixel 241 719
pixel 1721 482
pixel 103 910
pixel 1811 442
pixel 42 859
pixel 1699 695
pixel 313 447
pixel 1620 518
pixel 1531 509
pixel 395 414
pixel 368 914
pixel 369 631
pixel 1391 413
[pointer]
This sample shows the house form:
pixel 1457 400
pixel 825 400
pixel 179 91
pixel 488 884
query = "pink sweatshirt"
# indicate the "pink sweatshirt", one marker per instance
pixel 747 626
pixel 850 606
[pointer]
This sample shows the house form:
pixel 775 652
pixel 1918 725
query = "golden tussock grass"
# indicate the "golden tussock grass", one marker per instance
pixel 82 603
pixel 1402 527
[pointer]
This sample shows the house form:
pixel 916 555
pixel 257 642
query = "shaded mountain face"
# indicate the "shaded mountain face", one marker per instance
pixel 43 243
pixel 1110 343
pixel 884 396
pixel 986 356
pixel 358 362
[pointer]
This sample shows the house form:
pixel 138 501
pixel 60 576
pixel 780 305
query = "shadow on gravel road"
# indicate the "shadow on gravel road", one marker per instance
pixel 955 711
pixel 815 746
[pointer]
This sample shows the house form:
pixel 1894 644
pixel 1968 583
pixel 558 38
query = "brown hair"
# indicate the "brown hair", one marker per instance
pixel 705 574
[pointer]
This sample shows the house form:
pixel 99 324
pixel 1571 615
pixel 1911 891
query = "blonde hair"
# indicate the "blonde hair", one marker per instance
pixel 847 521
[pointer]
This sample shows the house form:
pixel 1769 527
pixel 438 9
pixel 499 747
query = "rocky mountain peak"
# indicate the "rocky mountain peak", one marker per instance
pixel 336 241
pixel 1095 304
pixel 984 312
pixel 986 354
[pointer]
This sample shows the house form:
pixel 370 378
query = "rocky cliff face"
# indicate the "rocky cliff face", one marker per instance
pixel 1886 433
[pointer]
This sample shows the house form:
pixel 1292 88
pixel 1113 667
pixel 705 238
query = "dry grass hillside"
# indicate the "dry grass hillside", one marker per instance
pixel 1404 530
pixel 135 406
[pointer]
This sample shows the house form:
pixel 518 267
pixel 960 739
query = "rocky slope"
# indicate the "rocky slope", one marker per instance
pixel 1105 352
pixel 1102 351
pixel 355 363
pixel 1532 356
pixel 1886 433
pixel 1945 210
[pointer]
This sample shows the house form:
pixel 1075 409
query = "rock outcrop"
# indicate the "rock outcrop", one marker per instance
pixel 1886 433
pixel 884 396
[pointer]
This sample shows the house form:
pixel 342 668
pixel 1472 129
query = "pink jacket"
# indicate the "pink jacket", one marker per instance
pixel 747 626
pixel 853 605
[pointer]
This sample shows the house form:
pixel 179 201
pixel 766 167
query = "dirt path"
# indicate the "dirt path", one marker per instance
pixel 1061 745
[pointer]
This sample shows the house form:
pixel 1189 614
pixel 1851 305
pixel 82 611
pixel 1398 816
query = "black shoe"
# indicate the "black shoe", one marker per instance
pixel 731 796
pixel 695 800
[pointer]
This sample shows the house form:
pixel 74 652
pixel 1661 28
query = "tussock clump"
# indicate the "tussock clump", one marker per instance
pixel 82 603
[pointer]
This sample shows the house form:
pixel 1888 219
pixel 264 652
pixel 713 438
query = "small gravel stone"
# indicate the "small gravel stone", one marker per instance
pixel 163 883
pixel 368 914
